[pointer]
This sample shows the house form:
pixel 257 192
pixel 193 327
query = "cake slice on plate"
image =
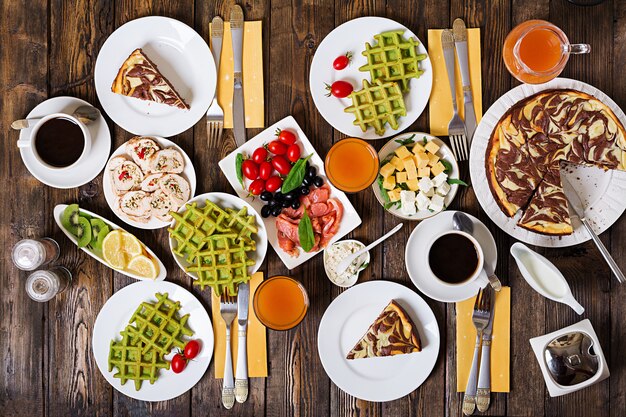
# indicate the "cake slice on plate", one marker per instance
pixel 392 333
pixel 140 78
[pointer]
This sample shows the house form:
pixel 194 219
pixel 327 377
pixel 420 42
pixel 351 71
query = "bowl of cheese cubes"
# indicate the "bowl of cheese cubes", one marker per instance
pixel 418 176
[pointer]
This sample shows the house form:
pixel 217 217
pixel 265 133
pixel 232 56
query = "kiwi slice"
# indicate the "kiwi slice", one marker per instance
pixel 69 218
pixel 97 245
pixel 96 226
pixel 83 232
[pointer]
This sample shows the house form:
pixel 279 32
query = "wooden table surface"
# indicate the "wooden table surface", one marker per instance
pixel 48 48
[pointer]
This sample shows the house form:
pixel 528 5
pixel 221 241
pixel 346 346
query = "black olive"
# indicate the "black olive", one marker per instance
pixel 266 196
pixel 290 196
pixel 311 172
pixel 304 190
pixel 318 181
pixel 274 203
pixel 266 211
pixel 295 205
pixel 306 181
pixel 308 165
pixel 278 196
pixel 276 211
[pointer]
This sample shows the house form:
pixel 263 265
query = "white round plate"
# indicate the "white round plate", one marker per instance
pixel 114 317
pixel 351 37
pixel 416 258
pixel 226 201
pixel 345 321
pixel 603 192
pixel 181 55
pixel 82 172
pixel 188 173
pixel 444 151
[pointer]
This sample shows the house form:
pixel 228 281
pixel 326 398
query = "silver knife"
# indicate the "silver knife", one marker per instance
pixel 460 42
pixel 241 374
pixel 483 393
pixel 576 205
pixel 236 31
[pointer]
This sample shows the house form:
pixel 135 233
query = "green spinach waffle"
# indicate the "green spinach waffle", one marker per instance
pixel 376 105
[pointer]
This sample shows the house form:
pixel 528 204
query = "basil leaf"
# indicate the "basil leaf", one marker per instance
pixel 425 140
pixel 406 141
pixel 305 232
pixel 383 192
pixel 295 176
pixel 403 186
pixel 238 165
pixel 457 181
pixel 447 165
pixel 391 204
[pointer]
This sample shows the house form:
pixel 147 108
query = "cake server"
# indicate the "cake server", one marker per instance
pixel 241 373
pixel 576 205
pixel 460 42
pixel 236 31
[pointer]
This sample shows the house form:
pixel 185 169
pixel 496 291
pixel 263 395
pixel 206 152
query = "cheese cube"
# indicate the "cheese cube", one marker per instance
pixel 432 159
pixel 402 152
pixel 407 199
pixel 397 162
pixel 432 147
pixel 440 179
pixel 400 177
pixel 409 165
pixel 438 168
pixel 425 184
pixel 387 170
pixel 394 195
pixel 422 201
pixel 423 172
pixel 417 148
pixel 443 189
pixel 413 185
pixel 422 159
pixel 389 183
pixel 436 203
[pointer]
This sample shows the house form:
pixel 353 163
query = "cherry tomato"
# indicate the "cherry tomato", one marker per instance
pixel 273 183
pixel 342 61
pixel 259 155
pixel 277 147
pixel 191 349
pixel 178 363
pixel 293 153
pixel 257 187
pixel 286 137
pixel 265 170
pixel 250 169
pixel 339 89
pixel 281 164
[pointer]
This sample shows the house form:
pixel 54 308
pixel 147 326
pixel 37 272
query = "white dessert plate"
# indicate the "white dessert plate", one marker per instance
pixel 345 321
pixel 603 192
pixel 351 37
pixel 350 220
pixel 87 169
pixel 181 55
pixel 188 173
pixel 113 318
pixel 416 258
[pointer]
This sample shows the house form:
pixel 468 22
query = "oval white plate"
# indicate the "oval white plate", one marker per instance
pixel 444 151
pixel 181 55
pixel 416 257
pixel 58 212
pixel 603 192
pixel 351 37
pixel 188 173
pixel 345 321
pixel 114 317
pixel 226 201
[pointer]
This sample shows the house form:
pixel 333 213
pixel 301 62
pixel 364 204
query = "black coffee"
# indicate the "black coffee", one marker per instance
pixel 453 258
pixel 59 142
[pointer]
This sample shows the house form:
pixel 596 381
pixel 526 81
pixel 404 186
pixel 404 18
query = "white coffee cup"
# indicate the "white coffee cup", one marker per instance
pixel 29 141
pixel 478 277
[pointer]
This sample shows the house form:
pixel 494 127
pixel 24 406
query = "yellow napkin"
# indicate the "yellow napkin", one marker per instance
pixel 257 349
pixel 440 106
pixel 500 344
pixel 252 75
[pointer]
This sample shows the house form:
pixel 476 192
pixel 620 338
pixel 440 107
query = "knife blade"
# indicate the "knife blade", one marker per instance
pixel 236 30
pixel 460 42
pixel 241 374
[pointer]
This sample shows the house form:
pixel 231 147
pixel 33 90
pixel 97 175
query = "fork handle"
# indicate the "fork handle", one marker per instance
pixel 483 393
pixel 469 399
pixel 241 380
pixel 228 387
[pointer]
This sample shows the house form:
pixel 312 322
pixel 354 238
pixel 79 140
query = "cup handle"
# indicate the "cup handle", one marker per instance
pixel 579 48
pixel 23 143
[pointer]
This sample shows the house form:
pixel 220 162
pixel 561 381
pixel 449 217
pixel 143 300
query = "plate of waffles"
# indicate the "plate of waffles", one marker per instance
pixel 137 332
pixel 396 77
pixel 219 240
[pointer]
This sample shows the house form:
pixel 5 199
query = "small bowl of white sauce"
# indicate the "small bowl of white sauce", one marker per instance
pixel 336 253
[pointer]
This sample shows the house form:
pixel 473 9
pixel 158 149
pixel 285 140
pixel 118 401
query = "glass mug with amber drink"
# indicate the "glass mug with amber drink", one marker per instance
pixel 536 51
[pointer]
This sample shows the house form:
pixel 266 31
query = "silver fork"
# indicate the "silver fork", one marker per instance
pixel 480 318
pixel 228 310
pixel 215 114
pixel 456 127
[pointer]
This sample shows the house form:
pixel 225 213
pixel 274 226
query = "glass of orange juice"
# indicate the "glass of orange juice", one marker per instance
pixel 280 303
pixel 352 165
pixel 536 51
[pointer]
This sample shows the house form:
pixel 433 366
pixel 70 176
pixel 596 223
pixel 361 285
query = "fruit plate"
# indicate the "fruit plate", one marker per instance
pixel 114 316
pixel 351 37
pixel 444 151
pixel 58 213
pixel 188 173
pixel 226 201
pixel 350 220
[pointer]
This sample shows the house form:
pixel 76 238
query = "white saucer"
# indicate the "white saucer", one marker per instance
pixel 82 172
pixel 416 258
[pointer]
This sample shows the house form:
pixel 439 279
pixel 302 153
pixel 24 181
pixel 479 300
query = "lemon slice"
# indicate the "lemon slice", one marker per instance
pixel 112 250
pixel 130 244
pixel 144 266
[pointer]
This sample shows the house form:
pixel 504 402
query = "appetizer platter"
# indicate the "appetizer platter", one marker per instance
pixel 370 78
pixel 152 342
pixel 418 176
pixel 108 243
pixel 145 179
pixel 326 210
